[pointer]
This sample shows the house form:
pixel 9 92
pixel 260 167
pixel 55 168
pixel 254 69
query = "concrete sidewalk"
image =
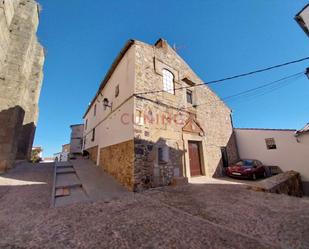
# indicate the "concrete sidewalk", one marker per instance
pixel 81 180
pixel 98 184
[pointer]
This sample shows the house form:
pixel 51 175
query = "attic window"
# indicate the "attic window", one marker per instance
pixel 168 81
pixel 270 143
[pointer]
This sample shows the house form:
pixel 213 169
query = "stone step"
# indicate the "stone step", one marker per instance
pixel 65 170
pixel 63 164
pixel 67 180
pixel 77 195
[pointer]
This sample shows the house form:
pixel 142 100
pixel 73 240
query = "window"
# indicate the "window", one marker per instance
pixel 95 110
pixel 189 97
pixel 163 154
pixel 168 81
pixel 93 135
pixel 270 143
pixel 86 124
pixel 116 91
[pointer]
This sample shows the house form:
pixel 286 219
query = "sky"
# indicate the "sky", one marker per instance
pixel 217 39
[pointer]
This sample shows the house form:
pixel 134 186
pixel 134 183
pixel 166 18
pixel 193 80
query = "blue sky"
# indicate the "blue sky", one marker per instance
pixel 216 38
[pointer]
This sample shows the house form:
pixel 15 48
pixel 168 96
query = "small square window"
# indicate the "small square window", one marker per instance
pixel 189 97
pixel 270 143
pixel 117 91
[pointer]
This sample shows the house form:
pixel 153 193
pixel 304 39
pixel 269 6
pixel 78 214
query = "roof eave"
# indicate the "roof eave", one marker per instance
pixel 111 70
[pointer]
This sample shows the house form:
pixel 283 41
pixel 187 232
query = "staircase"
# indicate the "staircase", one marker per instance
pixel 67 187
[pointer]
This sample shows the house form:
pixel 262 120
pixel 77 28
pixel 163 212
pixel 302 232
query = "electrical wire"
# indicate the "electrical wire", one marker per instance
pixel 232 77
pixel 272 86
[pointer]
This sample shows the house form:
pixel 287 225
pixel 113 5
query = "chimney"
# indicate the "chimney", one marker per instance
pixel 161 43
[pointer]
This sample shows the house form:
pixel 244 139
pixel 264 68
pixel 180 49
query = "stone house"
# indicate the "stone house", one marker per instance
pixel 149 124
pixel 21 74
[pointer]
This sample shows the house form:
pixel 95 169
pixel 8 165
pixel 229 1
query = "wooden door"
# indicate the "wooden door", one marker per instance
pixel 194 157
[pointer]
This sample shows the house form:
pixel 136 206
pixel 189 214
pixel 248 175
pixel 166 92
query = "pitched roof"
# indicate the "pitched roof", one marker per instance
pixel 109 73
pixel 303 130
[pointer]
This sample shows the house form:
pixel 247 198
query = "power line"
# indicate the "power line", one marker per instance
pixel 232 77
pixel 263 86
pixel 274 88
pixel 253 90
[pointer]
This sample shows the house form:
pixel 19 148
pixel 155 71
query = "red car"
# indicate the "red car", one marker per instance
pixel 250 169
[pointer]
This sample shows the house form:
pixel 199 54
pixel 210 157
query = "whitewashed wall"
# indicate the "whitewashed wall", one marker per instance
pixel 289 155
pixel 111 125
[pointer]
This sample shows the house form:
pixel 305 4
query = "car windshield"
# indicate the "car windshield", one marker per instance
pixel 246 163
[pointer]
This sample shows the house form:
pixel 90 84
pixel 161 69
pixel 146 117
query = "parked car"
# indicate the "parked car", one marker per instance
pixel 247 168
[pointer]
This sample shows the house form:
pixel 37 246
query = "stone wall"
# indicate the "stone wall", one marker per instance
pixel 118 161
pixel 93 153
pixel 11 121
pixel 162 108
pixel 232 151
pixel 149 171
pixel 21 64
pixel 288 183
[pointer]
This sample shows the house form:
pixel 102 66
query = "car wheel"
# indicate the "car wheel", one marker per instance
pixel 254 176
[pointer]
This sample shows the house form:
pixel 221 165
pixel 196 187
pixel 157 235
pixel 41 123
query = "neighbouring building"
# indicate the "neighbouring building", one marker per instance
pixel 174 131
pixel 287 149
pixel 66 148
pixel 21 74
pixel 302 18
pixel 76 141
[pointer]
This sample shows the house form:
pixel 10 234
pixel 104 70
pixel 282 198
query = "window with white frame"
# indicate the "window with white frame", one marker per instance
pixel 168 81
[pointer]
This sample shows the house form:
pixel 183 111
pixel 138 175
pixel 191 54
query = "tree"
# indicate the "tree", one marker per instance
pixel 35 155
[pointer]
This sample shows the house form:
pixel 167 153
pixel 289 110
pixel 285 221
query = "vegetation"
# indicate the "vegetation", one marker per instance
pixel 35 155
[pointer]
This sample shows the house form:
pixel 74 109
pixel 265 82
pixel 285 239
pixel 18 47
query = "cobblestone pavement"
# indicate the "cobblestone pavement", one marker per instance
pixel 194 216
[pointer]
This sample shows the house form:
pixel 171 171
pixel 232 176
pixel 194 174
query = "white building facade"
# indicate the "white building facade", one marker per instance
pixel 288 149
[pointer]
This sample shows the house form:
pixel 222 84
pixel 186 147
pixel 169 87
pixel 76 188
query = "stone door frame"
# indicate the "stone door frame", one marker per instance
pixel 197 138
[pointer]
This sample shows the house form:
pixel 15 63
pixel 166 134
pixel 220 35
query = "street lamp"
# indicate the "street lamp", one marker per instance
pixel 106 103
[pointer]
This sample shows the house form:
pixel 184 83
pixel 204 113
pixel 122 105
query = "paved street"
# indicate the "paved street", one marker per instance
pixel 193 216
